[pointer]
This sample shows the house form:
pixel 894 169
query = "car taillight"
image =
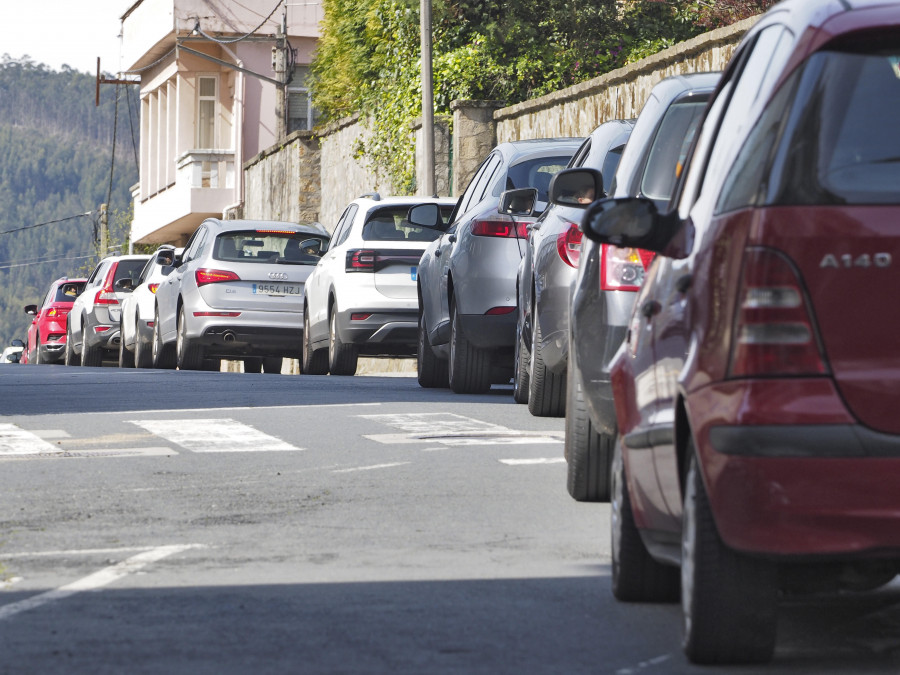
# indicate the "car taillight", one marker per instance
pixel 362 260
pixel 207 276
pixel 622 269
pixel 54 312
pixel 774 333
pixel 501 227
pixel 106 295
pixel 153 287
pixel 568 245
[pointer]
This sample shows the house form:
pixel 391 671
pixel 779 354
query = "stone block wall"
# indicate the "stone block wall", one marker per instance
pixel 474 136
pixel 267 193
pixel 442 157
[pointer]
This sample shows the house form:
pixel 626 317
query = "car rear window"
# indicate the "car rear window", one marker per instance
pixel 129 269
pixel 534 173
pixel 68 291
pixel 389 223
pixel 268 246
pixel 829 136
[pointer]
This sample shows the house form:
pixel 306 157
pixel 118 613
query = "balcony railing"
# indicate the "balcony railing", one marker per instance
pixel 206 169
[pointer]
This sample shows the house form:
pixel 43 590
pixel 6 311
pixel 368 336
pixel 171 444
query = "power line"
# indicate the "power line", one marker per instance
pixel 237 39
pixel 87 214
pixel 42 262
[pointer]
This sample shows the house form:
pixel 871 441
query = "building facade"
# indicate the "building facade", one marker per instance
pixel 219 81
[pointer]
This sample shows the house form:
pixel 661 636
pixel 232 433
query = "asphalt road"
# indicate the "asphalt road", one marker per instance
pixel 179 522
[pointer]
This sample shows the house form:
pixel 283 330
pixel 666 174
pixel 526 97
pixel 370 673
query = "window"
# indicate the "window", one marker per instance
pixel 536 173
pixel 390 223
pixel 670 148
pixel 207 96
pixel 301 114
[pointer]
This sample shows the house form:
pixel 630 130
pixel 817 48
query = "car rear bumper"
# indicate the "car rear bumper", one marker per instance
pixel 251 333
pixel 393 331
pixel 790 472
pixel 489 331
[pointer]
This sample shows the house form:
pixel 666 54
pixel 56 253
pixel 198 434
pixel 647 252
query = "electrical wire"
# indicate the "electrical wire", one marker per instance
pixel 7 265
pixel 87 214
pixel 237 39
pixel 155 63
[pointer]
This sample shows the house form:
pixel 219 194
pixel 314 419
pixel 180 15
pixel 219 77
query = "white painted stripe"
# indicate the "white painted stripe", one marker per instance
pixel 537 460
pixel 305 406
pixel 93 581
pixel 17 441
pixel 152 451
pixel 76 551
pixel 214 435
pixel 51 434
pixel 452 429
pixel 370 468
pixel 434 424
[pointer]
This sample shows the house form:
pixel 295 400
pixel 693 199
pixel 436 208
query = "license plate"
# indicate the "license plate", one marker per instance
pixel 276 289
pixel 413 271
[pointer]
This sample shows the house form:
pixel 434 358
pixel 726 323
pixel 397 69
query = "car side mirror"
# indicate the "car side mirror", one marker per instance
pixel 312 247
pixel 31 309
pixel 633 222
pixel 426 215
pixel 519 202
pixel 17 343
pixel 165 258
pixel 576 187
pixel 124 284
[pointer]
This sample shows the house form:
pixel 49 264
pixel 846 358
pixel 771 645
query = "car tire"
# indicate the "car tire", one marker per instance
pixel 143 357
pixel 546 389
pixel 521 368
pixel 188 354
pixel 470 367
pixel 163 355
pixel 90 356
pixel 272 364
pixel 432 372
pixel 70 358
pixel 636 576
pixel 342 358
pixel 126 358
pixel 588 453
pixel 729 600
pixel 39 357
pixel 312 361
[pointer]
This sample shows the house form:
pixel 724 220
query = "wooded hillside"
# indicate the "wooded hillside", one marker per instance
pixel 55 165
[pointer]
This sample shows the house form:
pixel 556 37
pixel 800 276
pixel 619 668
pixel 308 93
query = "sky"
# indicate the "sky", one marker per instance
pixel 57 32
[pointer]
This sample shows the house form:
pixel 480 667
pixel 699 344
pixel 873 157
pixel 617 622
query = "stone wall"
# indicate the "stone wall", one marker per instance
pixel 442 157
pixel 474 136
pixel 620 94
pixel 269 195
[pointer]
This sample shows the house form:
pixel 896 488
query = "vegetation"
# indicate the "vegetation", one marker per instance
pixel 368 57
pixel 55 160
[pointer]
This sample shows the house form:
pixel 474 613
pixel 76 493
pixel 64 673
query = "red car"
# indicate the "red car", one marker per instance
pixel 46 342
pixel 757 389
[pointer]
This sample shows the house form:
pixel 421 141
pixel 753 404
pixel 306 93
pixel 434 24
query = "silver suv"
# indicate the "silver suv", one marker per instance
pixel 92 333
pixel 236 293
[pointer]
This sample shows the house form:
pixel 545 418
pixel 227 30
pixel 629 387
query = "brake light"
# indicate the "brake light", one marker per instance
pixel 360 316
pixel 500 228
pixel 106 295
pixel 53 312
pixel 362 260
pixel 774 333
pixel 153 287
pixel 276 232
pixel 568 245
pixel 622 269
pixel 205 276
pixel 503 309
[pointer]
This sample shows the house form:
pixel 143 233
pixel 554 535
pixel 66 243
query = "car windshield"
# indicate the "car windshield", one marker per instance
pixel 389 223
pixel 270 246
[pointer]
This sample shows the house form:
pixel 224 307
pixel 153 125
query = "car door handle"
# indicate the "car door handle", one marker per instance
pixel 452 238
pixel 650 308
pixel 437 253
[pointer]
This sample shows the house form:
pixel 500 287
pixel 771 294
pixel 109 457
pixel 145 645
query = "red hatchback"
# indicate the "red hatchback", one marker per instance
pixel 46 340
pixel 757 389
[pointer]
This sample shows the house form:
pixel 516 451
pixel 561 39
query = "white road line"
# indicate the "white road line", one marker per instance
pixel 16 441
pixel 370 468
pixel 214 435
pixel 304 406
pixel 94 581
pixel 537 460
pixel 51 434
pixel 75 551
pixel 434 423
pixel 453 430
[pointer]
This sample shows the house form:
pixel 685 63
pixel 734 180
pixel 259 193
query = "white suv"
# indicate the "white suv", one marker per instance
pixel 361 298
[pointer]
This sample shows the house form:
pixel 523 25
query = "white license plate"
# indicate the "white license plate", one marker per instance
pixel 276 289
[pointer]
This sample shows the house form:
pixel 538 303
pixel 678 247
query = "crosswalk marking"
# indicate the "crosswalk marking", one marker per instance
pixel 452 429
pixel 536 460
pixel 15 441
pixel 214 435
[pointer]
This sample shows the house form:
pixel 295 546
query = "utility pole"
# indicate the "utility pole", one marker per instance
pixel 104 231
pixel 279 65
pixel 428 187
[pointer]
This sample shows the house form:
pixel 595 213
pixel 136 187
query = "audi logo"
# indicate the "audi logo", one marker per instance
pixel 278 275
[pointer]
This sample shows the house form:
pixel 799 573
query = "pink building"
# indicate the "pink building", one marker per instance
pixel 211 97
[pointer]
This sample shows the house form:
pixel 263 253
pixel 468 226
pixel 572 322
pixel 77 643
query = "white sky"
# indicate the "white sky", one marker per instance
pixel 57 32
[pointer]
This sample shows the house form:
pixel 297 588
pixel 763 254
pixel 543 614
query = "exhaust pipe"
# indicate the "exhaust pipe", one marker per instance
pixel 228 336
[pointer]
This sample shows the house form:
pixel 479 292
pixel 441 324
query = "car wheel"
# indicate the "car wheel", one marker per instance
pixel 126 357
pixel 546 389
pixel 431 371
pixel 522 368
pixel 636 576
pixel 342 358
pixel 728 600
pixel 272 364
pixel 470 367
pixel 39 357
pixel 163 356
pixel 312 361
pixel 588 452
pixel 253 365
pixel 143 357
pixel 188 354
pixel 90 356
pixel 70 358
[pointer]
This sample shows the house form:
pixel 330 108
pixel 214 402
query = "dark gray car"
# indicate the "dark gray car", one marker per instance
pixel 545 280
pixel 608 278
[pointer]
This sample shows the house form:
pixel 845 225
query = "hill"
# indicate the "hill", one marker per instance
pixel 56 168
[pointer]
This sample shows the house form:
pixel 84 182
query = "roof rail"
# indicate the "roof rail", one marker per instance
pixel 374 196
